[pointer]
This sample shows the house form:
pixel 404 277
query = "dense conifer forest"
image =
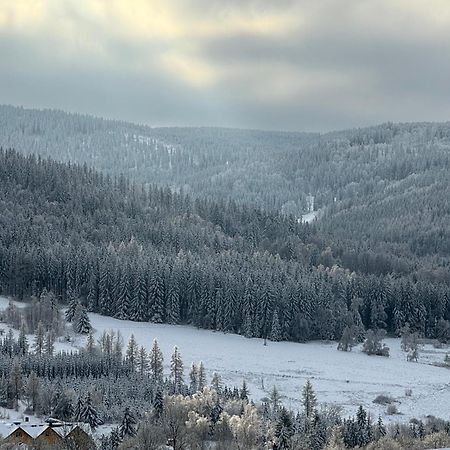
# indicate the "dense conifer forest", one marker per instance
pixel 382 192
pixel 150 254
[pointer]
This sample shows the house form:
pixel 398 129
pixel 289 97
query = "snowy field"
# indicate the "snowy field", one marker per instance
pixel 346 379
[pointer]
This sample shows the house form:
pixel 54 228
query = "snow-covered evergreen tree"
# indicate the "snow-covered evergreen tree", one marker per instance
pixel 309 399
pixel 128 426
pixel 22 340
pixel 142 362
pixel 39 339
pixel 81 322
pixel 132 353
pixel 176 370
pixel 201 376
pixel 78 410
pixel 156 363
pixel 193 379
pixel 72 308
pixel 89 414
pixel 49 343
pixel 275 333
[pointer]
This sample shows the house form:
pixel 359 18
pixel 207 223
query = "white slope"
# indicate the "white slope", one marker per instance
pixel 309 217
pixel 347 379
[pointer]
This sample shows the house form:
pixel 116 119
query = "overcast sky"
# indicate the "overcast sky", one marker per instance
pixel 273 64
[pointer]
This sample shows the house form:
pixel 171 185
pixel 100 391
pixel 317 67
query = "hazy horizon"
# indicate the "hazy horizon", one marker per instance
pixel 291 65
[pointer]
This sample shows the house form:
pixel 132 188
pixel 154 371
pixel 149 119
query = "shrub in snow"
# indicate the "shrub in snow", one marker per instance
pixel 391 410
pixel 383 400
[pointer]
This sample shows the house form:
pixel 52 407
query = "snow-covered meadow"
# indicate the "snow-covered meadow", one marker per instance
pixel 346 379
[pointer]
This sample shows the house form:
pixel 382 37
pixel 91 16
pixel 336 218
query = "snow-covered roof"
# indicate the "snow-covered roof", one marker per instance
pixel 35 430
pixel 7 428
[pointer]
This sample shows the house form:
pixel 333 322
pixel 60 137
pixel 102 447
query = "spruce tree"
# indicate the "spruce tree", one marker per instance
pixel 39 339
pixel 284 430
pixel 89 414
pixel 156 363
pixel 49 344
pixel 275 400
pixel 275 333
pixel 142 361
pixel 173 304
pixel 176 370
pixel 22 340
pixel 72 308
pixel 201 376
pixel 309 400
pixel 193 379
pixel 158 403
pixel 128 426
pixel 132 353
pixel 157 293
pixel 78 411
pixel 244 393
pixel 81 321
pixel 90 342
pixel 216 382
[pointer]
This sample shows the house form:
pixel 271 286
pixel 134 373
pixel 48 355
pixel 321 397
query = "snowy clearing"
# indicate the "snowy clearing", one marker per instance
pixel 346 379
pixel 309 217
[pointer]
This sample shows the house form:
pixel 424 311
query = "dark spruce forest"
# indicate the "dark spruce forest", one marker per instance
pixel 200 226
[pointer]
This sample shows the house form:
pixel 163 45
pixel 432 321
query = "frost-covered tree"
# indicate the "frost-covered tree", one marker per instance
pixel 49 343
pixel 216 382
pixel 22 340
pixel 39 339
pixel 309 399
pixel 72 308
pixel 127 427
pixel 176 370
pixel 132 353
pixel 81 322
pixel 201 376
pixel 78 410
pixel 142 361
pixel 89 414
pixel 348 339
pixel 193 378
pixel 275 333
pixel 284 429
pixel 156 361
pixel 373 344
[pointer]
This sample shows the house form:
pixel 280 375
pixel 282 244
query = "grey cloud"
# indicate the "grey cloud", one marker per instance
pixel 400 76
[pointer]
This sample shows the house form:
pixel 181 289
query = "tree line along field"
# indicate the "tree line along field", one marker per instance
pixel 152 255
pixel 116 384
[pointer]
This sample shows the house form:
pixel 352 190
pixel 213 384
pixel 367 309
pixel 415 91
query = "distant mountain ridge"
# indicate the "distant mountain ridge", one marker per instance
pixel 383 190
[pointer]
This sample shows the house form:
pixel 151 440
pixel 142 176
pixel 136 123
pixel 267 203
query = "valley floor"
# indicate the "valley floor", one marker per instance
pixel 345 379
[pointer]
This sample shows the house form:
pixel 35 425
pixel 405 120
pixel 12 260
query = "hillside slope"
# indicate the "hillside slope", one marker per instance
pixel 150 254
pixel 384 190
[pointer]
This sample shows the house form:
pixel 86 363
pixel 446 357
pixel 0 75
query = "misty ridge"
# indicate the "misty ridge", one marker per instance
pixel 206 227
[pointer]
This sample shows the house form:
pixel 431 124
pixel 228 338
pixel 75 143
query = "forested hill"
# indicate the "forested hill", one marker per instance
pixel 384 191
pixel 150 254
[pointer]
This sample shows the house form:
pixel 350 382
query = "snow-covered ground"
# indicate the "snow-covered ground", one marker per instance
pixel 309 217
pixel 347 379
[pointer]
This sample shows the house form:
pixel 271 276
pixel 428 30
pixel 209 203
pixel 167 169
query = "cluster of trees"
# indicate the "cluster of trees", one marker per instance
pixel 119 249
pixel 384 190
pixel 112 383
